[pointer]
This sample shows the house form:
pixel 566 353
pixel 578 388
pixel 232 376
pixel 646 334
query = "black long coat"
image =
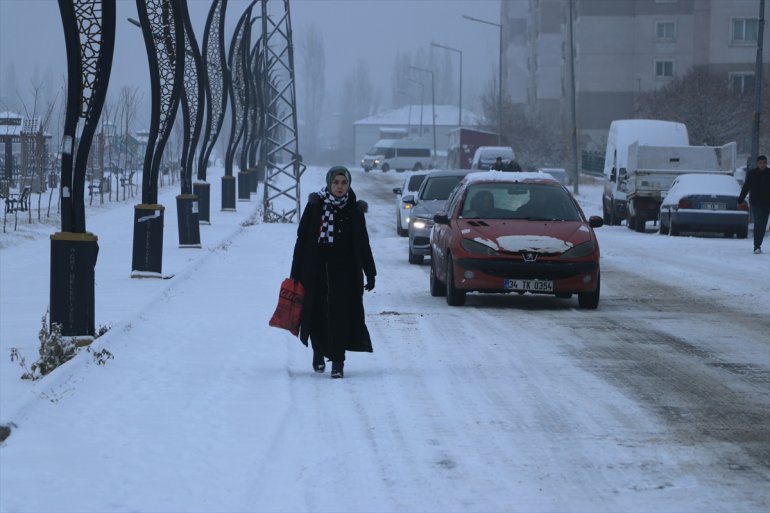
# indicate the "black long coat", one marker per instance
pixel 304 267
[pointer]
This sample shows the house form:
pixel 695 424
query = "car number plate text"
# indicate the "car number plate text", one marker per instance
pixel 713 206
pixel 529 285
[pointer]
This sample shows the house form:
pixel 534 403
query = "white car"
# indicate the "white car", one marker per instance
pixel 698 202
pixel 411 185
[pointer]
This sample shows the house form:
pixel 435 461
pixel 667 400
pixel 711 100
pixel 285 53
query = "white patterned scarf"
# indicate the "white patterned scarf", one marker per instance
pixel 331 205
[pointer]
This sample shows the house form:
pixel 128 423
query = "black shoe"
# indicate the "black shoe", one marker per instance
pixel 318 362
pixel 337 369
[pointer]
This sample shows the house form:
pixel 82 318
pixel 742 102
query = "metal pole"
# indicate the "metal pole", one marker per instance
pixel 573 107
pixel 460 102
pixel 460 115
pixel 422 99
pixel 433 103
pixel 500 92
pixel 499 77
pixel 757 86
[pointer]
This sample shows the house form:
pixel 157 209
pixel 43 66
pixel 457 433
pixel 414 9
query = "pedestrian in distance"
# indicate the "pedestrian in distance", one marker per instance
pixel 331 257
pixel 757 187
pixel 498 165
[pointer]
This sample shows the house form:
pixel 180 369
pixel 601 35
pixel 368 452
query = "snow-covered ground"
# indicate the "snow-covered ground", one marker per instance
pixel 512 403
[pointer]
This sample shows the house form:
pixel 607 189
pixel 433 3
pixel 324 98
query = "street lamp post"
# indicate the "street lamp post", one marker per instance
pixel 433 103
pixel 409 119
pixel 422 99
pixel 499 77
pixel 460 102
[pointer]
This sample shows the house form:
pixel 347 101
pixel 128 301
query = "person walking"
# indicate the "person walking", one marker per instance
pixel 331 257
pixel 757 187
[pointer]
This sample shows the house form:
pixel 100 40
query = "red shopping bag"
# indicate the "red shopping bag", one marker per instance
pixel 288 313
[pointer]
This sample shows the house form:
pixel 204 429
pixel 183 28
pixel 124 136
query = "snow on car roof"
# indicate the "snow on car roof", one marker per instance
pixel 700 183
pixel 508 176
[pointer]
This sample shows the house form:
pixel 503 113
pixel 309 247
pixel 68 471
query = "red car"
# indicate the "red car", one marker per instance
pixel 514 232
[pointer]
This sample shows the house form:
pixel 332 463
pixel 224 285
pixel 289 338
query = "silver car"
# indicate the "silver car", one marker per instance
pixel 430 198
pixel 411 185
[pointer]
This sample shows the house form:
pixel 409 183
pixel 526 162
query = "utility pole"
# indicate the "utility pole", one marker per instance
pixel 757 87
pixel 573 101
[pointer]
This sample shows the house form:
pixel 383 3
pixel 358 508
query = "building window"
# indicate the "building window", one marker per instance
pixel 742 83
pixel 744 31
pixel 664 69
pixel 665 30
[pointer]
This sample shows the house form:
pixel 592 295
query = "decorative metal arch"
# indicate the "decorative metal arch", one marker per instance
pixel 163 32
pixel 256 103
pixel 238 63
pixel 217 81
pixel 280 146
pixel 192 99
pixel 89 34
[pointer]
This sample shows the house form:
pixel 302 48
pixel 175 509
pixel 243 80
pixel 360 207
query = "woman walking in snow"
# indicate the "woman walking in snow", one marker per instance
pixel 331 257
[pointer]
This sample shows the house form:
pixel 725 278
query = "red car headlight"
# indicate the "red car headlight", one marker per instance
pixel 477 248
pixel 580 250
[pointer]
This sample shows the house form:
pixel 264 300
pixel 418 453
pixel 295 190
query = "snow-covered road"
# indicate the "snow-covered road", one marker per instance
pixel 657 401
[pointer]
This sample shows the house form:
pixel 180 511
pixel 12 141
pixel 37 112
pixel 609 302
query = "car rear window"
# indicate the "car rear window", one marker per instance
pixel 415 182
pixel 439 187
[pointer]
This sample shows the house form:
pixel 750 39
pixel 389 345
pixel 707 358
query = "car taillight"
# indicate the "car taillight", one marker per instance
pixel 684 203
pixel 743 206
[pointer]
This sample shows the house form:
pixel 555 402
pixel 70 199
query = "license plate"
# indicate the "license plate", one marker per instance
pixel 529 285
pixel 713 206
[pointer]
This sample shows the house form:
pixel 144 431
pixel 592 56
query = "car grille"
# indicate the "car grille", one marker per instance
pixel 543 270
pixel 421 241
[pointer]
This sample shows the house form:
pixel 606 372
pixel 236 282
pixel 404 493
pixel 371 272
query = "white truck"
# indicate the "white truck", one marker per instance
pixel 622 134
pixel 651 170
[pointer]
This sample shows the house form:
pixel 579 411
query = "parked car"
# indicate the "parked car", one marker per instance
pixel 699 202
pixel 430 198
pixel 514 232
pixel 557 172
pixel 403 208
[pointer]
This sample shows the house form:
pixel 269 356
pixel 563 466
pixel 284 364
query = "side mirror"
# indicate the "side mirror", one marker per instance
pixel 409 198
pixel 397 190
pixel 595 222
pixel 441 218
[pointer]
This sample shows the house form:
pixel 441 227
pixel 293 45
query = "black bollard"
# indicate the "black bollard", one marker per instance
pixel 253 181
pixel 244 187
pixel 147 260
pixel 73 260
pixel 203 191
pixel 228 193
pixel 187 220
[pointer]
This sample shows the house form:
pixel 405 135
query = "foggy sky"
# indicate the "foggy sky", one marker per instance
pixel 31 39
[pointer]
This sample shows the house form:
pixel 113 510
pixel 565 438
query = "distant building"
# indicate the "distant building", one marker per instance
pixel 410 121
pixel 622 48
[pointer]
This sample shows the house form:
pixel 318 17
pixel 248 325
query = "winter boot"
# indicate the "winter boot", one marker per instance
pixel 318 362
pixel 337 369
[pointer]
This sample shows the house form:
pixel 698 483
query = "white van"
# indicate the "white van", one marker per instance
pixel 623 133
pixel 398 154
pixel 485 156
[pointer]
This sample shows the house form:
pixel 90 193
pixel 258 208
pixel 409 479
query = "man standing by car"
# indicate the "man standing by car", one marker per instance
pixel 757 187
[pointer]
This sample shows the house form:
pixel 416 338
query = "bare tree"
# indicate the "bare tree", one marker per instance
pixel 358 99
pixel 314 88
pixel 713 111
pixel 534 141
pixel 128 101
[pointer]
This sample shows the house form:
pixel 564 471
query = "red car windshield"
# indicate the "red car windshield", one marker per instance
pixel 527 201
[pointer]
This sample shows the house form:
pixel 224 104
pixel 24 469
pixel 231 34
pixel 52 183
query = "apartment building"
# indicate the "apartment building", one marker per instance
pixel 622 48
